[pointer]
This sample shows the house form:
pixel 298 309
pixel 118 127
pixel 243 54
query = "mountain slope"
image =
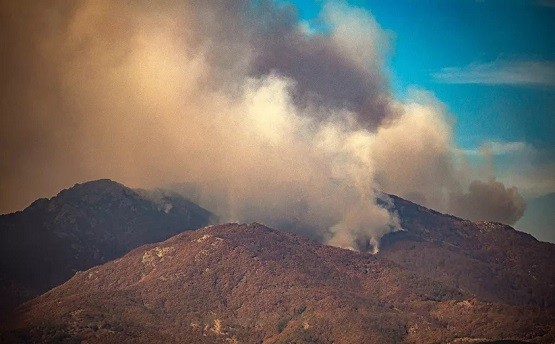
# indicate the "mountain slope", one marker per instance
pixel 250 284
pixel 86 225
pixel 490 260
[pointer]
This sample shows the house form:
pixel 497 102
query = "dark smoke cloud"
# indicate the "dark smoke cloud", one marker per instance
pixel 489 201
pixel 327 69
pixel 272 123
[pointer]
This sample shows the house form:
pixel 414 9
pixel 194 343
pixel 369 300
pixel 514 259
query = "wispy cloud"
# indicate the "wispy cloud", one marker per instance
pixel 497 148
pixel 500 73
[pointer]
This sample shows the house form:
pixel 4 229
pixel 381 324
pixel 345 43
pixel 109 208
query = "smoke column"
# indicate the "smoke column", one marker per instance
pixel 267 121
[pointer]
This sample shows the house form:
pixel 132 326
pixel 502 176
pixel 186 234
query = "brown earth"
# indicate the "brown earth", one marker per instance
pixel 250 284
pixel 490 260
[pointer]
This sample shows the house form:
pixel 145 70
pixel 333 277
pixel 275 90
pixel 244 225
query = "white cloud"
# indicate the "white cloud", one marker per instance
pixel 500 72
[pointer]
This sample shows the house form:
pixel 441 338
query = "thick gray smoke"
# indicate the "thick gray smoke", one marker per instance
pixel 352 54
pixel 270 122
pixel 505 205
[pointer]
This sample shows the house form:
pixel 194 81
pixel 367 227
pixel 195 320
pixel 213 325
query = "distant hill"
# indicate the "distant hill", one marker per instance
pixel 83 226
pixel 251 284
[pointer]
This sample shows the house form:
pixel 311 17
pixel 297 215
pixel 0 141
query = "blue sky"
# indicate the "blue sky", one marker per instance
pixel 490 62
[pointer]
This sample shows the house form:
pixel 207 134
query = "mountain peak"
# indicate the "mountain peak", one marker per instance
pixel 99 184
pixel 98 187
pixel 85 225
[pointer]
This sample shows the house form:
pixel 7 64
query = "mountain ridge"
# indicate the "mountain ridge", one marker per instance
pixel 415 289
pixel 490 259
pixel 249 283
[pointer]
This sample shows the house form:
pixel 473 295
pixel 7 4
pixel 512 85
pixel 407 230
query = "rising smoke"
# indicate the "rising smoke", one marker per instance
pixel 268 121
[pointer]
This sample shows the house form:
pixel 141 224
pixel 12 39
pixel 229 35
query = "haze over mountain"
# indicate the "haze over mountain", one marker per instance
pixel 251 284
pixel 539 219
pixel 83 226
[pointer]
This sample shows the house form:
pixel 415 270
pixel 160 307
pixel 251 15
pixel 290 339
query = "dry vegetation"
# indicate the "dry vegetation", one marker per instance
pixel 250 284
pixel 490 260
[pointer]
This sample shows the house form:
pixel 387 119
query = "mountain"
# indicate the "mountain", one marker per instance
pixel 490 260
pixel 83 226
pixel 250 284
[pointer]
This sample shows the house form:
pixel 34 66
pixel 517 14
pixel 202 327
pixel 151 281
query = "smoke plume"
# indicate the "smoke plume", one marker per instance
pixel 505 204
pixel 267 121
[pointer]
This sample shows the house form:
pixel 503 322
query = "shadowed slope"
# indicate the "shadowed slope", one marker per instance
pixel 86 225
